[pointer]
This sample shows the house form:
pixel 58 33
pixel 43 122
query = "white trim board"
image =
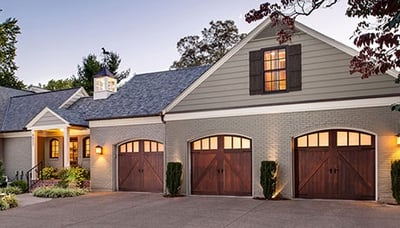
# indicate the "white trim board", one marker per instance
pixel 46 110
pixel 81 92
pixel 125 121
pixel 23 134
pixel 303 107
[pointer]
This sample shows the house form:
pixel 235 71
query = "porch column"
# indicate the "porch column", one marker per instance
pixel 34 151
pixel 66 148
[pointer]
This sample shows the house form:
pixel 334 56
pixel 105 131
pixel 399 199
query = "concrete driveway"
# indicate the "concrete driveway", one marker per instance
pixel 122 209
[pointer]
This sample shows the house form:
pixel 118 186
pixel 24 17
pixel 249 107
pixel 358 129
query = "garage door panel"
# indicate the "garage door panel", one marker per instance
pixel 237 173
pixel 204 173
pixel 140 166
pixel 129 173
pixel 344 169
pixel 221 165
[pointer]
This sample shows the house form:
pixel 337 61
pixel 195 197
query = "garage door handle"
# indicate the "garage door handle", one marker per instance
pixel 330 170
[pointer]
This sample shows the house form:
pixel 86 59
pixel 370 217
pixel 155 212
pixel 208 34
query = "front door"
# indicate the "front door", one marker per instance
pixel 73 152
pixel 221 165
pixel 140 166
pixel 335 164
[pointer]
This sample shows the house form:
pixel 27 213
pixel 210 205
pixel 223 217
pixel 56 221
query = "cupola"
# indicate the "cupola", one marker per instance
pixel 105 84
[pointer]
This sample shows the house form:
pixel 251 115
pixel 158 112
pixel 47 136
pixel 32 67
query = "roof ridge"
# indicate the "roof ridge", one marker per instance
pixel 173 70
pixel 61 90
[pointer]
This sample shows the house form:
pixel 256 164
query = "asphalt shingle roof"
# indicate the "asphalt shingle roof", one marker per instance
pixel 144 95
pixel 22 109
pixel 5 95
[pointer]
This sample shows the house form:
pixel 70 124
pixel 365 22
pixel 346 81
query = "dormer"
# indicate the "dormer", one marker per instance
pixel 105 84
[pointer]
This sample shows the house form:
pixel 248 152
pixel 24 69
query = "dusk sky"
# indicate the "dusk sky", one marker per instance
pixel 57 35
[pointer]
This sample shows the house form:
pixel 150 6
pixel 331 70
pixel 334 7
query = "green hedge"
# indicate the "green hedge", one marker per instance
pixel 268 178
pixel 8 201
pixel 57 192
pixel 395 174
pixel 174 177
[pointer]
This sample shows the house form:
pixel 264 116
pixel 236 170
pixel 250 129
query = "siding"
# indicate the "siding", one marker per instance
pixel 17 155
pixel 48 119
pixel 103 167
pixel 272 139
pixel 325 75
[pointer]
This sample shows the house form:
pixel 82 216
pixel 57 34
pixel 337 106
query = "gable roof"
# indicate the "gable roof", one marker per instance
pixel 21 109
pixel 252 35
pixel 144 95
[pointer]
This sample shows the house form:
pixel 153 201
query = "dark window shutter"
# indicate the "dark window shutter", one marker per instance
pixel 294 67
pixel 256 72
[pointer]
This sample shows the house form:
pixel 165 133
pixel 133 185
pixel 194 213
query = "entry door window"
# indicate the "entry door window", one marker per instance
pixel 73 151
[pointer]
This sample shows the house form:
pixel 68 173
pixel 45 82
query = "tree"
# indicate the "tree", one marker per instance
pixel 216 41
pixel 8 39
pixel 377 34
pixel 91 66
pixel 59 84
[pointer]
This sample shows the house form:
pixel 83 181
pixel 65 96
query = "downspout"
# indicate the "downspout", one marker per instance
pixel 162 116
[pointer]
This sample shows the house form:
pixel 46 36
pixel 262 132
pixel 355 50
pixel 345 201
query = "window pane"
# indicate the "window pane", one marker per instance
pixel 282 54
pixel 197 145
pixel 282 75
pixel 267 55
pixel 274 54
pixel 129 147
pixel 267 65
pixel 302 141
pixel 245 143
pixel 342 138
pixel 213 143
pixel 236 143
pixel 160 147
pixel 146 146
pixel 354 139
pixel 227 142
pixel 268 86
pixel 282 85
pixel 153 147
pixel 366 140
pixel 136 146
pixel 323 139
pixel 268 76
pixel 313 140
pixel 122 148
pixel 205 144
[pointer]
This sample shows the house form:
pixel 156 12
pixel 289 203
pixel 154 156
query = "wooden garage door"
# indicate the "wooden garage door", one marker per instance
pixel 221 165
pixel 335 164
pixel 140 166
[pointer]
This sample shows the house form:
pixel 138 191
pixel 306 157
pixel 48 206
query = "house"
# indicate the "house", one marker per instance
pixel 332 134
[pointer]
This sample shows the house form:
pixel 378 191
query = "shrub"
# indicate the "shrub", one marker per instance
pixel 11 190
pixel 73 177
pixel 48 173
pixel 11 200
pixel 174 174
pixel 3 205
pixel 268 178
pixel 395 174
pixel 57 192
pixel 21 184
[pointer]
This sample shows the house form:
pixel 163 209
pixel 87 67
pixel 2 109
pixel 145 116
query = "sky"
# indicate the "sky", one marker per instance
pixel 57 35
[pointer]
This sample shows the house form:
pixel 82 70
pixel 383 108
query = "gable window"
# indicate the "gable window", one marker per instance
pixel 54 148
pixel 275 69
pixel 86 147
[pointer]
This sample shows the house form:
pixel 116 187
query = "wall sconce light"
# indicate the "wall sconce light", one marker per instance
pixel 398 139
pixel 99 149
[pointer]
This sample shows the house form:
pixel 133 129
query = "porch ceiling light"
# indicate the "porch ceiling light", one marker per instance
pixel 99 149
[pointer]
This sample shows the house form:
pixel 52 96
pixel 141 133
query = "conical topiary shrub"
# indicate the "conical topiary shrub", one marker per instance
pixel 174 177
pixel 395 174
pixel 268 173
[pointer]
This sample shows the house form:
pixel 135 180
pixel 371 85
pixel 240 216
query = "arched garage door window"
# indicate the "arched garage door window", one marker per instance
pixel 221 165
pixel 335 164
pixel 140 166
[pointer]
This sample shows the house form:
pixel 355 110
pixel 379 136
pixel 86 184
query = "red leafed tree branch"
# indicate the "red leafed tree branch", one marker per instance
pixel 377 34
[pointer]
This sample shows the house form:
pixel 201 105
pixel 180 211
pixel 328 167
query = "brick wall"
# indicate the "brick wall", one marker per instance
pixel 103 167
pixel 272 135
